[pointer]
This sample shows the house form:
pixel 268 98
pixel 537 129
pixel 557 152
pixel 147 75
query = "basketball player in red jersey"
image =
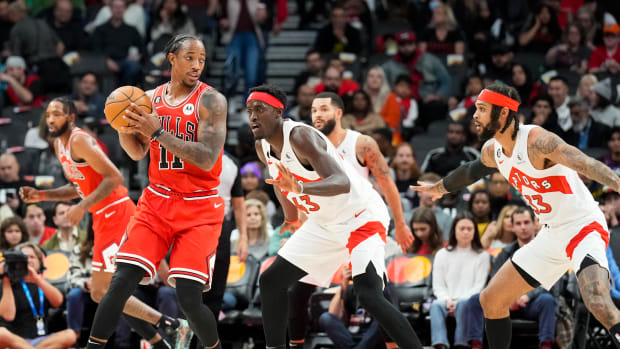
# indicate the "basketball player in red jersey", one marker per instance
pixel 180 210
pixel 95 179
pixel 546 171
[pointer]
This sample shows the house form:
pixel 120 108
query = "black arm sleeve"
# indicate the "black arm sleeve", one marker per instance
pixel 237 190
pixel 465 175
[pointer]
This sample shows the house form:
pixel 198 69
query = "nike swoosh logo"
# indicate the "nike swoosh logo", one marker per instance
pixel 217 205
pixel 501 162
pixel 359 213
pixel 107 215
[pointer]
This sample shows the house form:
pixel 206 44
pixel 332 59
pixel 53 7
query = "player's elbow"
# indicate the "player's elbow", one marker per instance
pixel 345 184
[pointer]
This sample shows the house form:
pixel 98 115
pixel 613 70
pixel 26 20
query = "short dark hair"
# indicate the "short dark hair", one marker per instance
pixel 559 78
pixel 89 72
pixel 67 105
pixel 523 209
pixel 384 133
pixel 273 90
pixel 615 129
pixel 66 203
pixel 335 99
pixel 509 92
pixel 403 78
pixel 175 42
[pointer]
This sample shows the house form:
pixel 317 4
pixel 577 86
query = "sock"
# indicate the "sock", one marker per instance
pixel 95 344
pixel 298 344
pixel 168 324
pixel 615 334
pixel 499 332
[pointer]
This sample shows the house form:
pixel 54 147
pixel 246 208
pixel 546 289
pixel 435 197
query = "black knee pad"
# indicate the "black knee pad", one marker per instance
pixel 189 294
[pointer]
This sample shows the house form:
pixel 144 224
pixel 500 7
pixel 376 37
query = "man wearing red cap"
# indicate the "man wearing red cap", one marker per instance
pixel 545 170
pixel 606 58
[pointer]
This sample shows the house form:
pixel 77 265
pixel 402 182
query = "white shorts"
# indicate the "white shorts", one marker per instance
pixel 320 249
pixel 556 249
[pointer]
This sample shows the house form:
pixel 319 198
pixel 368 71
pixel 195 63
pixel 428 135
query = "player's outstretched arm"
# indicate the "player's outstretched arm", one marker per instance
pixel 211 134
pixel 310 149
pixel 33 195
pixel 463 175
pixel 548 145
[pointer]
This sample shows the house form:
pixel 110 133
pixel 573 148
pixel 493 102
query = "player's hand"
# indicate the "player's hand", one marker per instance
pixel 30 195
pixel 403 235
pixel 431 188
pixel 291 226
pixel 140 121
pixel 285 181
pixel 242 247
pixel 75 214
pixel 523 300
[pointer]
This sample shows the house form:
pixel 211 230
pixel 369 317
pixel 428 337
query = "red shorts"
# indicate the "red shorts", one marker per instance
pixel 188 227
pixel 109 224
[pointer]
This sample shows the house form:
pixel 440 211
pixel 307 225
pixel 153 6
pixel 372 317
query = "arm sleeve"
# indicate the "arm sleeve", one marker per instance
pixel 237 190
pixel 465 175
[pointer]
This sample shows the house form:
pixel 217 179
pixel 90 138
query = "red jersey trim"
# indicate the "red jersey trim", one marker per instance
pixel 182 103
pixel 590 228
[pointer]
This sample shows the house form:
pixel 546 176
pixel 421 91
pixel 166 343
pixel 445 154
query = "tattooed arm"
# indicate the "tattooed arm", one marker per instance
pixel 546 146
pixel 211 134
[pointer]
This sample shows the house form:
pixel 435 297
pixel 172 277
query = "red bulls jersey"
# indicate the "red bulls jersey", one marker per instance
pixel 556 194
pixel 181 120
pixel 84 177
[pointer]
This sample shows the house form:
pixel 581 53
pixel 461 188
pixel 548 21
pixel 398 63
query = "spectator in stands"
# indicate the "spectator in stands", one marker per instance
pixel 400 111
pixel 590 27
pixel 442 37
pixel 426 232
pixel 383 137
pixel 80 281
pixel 240 30
pixel 500 233
pixel 480 207
pixel 10 182
pixel 338 35
pixel 333 82
pixel 134 16
pixel 502 193
pixel 345 317
pixel 35 223
pixel 501 63
pixel 558 90
pixel 526 85
pixel 251 177
pixel 573 54
pixel 5 26
pixel 377 87
pixel 544 115
pixel 473 87
pixel 313 73
pixel 360 115
pixel 168 19
pixel 602 108
pixel 69 31
pixel 87 98
pixel 277 13
pixel 586 132
pixel 460 270
pixel 121 44
pixel 584 89
pixel 406 173
pixel 541 31
pixel 432 84
pixel 444 220
pixel 67 237
pixel 445 159
pixel 537 304
pixel 12 232
pixel 263 197
pixel 22 88
pixel 258 232
pixel 606 58
pixel 303 110
pixel 22 325
pixel 612 159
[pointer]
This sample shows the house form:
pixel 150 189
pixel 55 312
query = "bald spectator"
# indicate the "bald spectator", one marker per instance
pixel 87 98
pixel 333 82
pixel 70 31
pixel 303 110
pixel 22 89
pixel 35 223
pixel 10 182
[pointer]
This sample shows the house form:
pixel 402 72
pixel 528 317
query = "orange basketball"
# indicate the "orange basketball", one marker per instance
pixel 120 99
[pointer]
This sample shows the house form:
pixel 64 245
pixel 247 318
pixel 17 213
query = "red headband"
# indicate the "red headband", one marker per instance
pixel 265 97
pixel 498 99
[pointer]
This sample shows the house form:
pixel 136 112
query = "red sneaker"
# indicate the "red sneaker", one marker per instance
pixel 546 345
pixel 476 344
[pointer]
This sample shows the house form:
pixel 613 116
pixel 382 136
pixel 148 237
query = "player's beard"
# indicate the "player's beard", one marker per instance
pixel 59 132
pixel 328 127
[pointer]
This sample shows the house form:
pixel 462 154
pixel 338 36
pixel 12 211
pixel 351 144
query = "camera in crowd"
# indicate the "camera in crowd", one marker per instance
pixel 15 266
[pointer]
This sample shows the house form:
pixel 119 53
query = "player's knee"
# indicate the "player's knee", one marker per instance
pixel 189 294
pixel 487 301
pixel 97 293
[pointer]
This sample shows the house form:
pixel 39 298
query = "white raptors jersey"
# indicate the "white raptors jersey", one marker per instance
pixel 349 153
pixel 556 194
pixel 361 199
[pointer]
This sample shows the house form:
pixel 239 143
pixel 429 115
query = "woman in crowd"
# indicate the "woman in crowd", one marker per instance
pixel 499 233
pixel 406 172
pixel 480 208
pixel 602 108
pixel 460 270
pixel 426 232
pixel 542 30
pixel 12 232
pixel 258 234
pixel 360 115
pixel 573 54
pixel 544 115
pixel 443 36
pixel 377 88
pixel 525 84
pixel 169 18
pixel 584 89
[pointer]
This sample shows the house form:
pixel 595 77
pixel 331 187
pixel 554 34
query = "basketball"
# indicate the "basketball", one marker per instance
pixel 120 99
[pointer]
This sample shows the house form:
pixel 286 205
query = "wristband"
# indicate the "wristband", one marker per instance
pixel 157 133
pixel 291 222
pixel 42 195
pixel 301 186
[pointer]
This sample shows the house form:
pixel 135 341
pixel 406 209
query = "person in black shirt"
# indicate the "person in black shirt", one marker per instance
pixel 66 22
pixel 444 159
pixel 338 35
pixel 24 305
